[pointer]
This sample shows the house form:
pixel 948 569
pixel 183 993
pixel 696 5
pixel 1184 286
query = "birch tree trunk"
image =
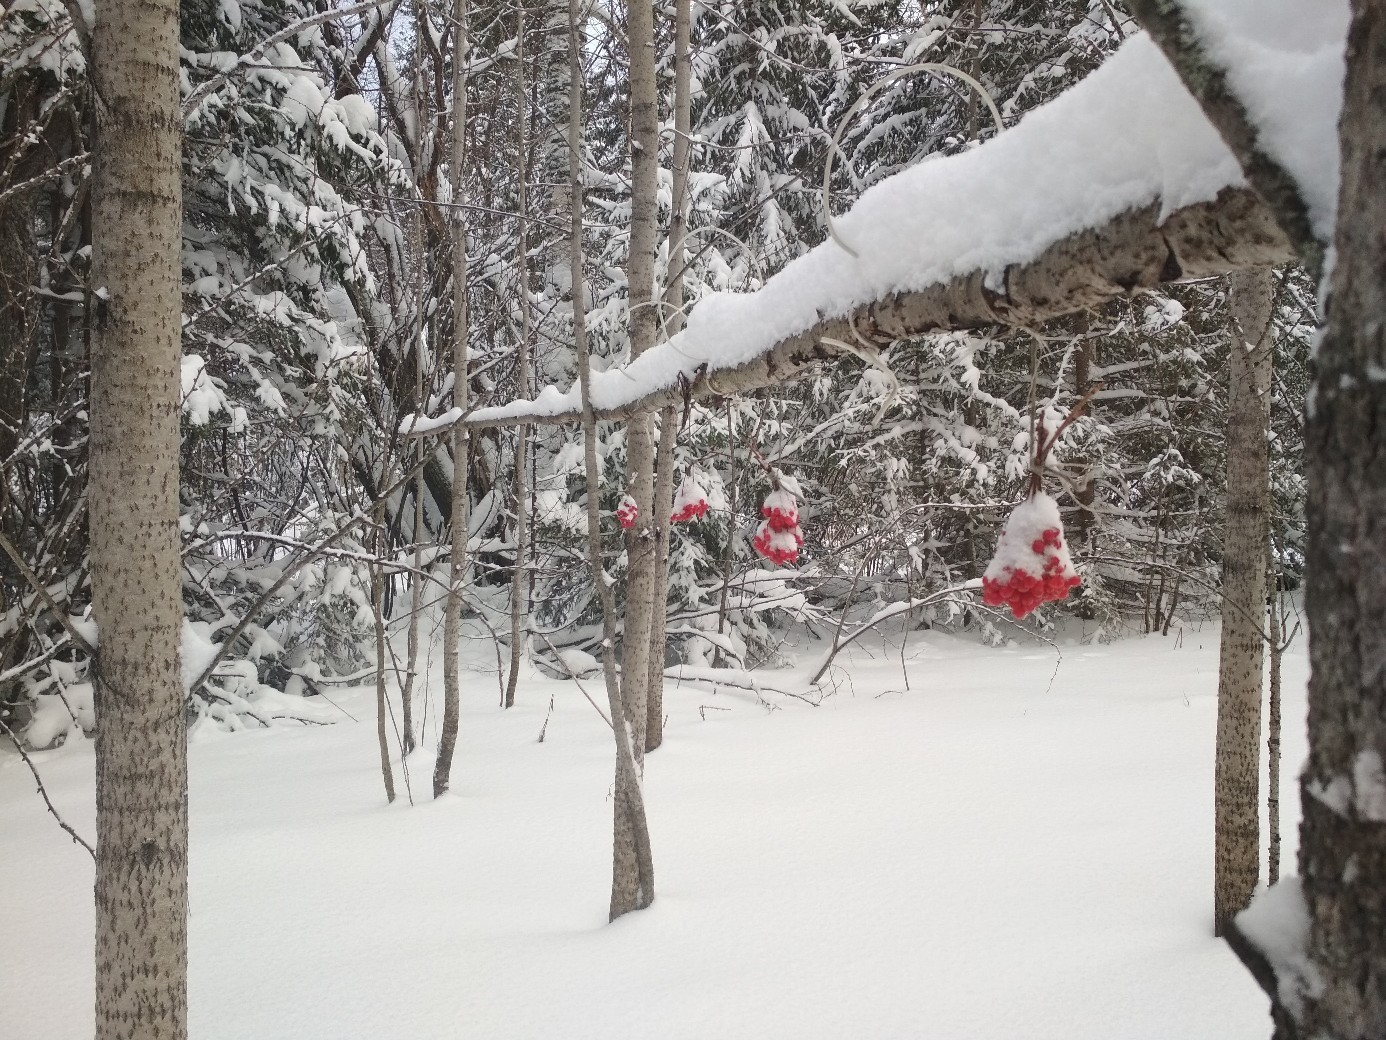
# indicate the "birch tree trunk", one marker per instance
pixel 141 743
pixel 1241 655
pixel 632 875
pixel 668 417
pixel 641 539
pixel 452 620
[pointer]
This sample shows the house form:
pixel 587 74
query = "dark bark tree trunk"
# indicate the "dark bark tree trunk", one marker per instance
pixel 1342 856
pixel 1241 654
pixel 1277 652
pixel 141 742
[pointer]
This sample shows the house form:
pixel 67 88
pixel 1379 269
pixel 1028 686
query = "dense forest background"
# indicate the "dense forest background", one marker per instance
pixel 318 313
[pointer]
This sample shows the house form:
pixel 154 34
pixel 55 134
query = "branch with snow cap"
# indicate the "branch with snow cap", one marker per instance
pixel 1119 185
pixel 1248 64
pixel 194 100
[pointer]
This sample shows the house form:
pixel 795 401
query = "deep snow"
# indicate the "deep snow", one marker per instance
pixel 983 855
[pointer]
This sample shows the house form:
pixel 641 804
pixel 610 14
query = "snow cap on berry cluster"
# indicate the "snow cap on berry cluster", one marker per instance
pixel 778 538
pixel 627 512
pixel 1031 564
pixel 690 502
pixel 781 511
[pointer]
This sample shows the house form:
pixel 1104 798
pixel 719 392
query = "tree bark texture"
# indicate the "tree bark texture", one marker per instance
pixel 659 595
pixel 457 570
pixel 141 744
pixel 1241 654
pixel 1342 854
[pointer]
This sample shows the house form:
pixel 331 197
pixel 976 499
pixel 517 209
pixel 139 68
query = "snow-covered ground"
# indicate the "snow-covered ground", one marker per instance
pixel 984 854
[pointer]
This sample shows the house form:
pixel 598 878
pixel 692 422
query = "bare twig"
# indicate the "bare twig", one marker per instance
pixel 572 675
pixel 43 792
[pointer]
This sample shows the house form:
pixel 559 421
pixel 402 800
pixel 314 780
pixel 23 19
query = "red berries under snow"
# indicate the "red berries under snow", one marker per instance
pixel 779 538
pixel 690 503
pixel 627 512
pixel 1031 564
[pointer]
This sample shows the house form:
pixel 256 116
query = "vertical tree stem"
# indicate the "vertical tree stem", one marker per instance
pixel 452 622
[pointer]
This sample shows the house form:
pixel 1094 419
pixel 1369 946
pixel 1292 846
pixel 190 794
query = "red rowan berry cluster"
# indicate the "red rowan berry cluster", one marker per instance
pixel 1031 565
pixel 779 537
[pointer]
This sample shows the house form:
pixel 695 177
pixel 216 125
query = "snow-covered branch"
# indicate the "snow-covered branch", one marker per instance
pixel 1119 185
pixel 1191 38
pixel 195 99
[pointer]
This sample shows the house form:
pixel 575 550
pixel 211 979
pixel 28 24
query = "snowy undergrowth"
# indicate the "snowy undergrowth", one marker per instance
pixel 983 855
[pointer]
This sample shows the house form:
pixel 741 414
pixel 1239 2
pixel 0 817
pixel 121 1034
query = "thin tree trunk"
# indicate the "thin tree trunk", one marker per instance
pixel 382 736
pixel 452 621
pixel 1277 651
pixel 641 539
pixel 141 744
pixel 668 418
pixel 1085 483
pixel 632 876
pixel 420 531
pixel 518 598
pixel 730 544
pixel 1241 655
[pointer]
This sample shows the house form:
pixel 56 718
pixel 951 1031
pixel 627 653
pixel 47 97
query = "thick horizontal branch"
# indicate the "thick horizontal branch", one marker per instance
pixel 1133 252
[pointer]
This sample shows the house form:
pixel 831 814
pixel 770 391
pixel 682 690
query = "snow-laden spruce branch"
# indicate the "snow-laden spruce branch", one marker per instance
pixel 195 99
pixel 1119 185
